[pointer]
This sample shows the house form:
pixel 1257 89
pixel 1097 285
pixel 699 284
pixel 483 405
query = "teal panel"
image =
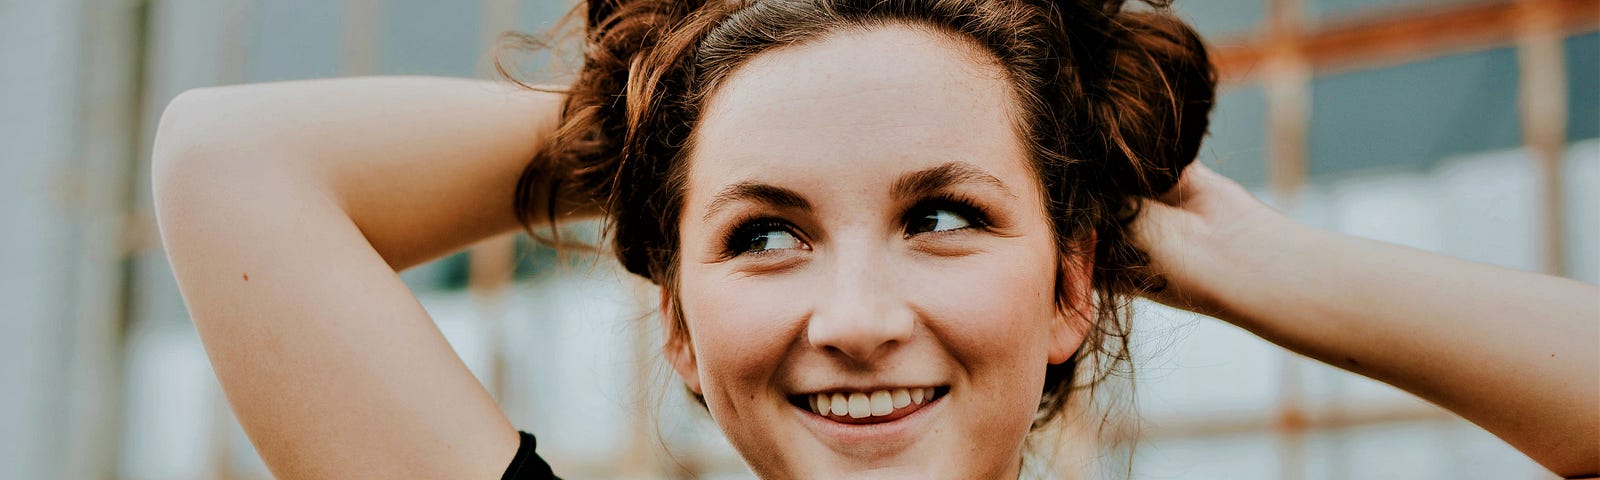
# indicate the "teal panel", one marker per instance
pixel 1216 19
pixel 1236 146
pixel 1583 86
pixel 1411 116
pixel 447 273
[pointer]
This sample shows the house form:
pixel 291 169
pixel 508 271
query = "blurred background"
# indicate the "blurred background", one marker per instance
pixel 1466 127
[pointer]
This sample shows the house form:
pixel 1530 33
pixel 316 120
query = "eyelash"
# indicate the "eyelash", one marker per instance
pixel 952 203
pixel 748 228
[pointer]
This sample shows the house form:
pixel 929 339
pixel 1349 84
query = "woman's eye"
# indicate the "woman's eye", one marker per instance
pixel 764 239
pixel 936 220
pixel 772 240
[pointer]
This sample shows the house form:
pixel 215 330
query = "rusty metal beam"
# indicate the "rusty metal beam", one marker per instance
pixel 1325 418
pixel 1399 37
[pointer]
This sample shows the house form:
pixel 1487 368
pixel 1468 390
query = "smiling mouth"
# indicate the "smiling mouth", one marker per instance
pixel 878 406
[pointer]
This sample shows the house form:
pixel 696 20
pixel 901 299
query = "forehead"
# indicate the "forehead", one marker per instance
pixel 856 103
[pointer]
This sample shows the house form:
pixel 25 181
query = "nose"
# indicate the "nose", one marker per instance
pixel 860 315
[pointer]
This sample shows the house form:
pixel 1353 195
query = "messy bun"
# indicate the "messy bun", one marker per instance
pixel 1114 103
pixel 1147 85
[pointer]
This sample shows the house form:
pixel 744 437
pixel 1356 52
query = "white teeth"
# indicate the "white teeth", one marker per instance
pixel 901 398
pixel 882 403
pixel 860 406
pixel 876 403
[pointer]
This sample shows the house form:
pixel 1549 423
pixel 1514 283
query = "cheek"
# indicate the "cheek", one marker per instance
pixel 993 314
pixel 740 328
pixel 997 300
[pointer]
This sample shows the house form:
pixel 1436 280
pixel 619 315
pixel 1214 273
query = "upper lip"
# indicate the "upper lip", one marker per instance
pixel 866 389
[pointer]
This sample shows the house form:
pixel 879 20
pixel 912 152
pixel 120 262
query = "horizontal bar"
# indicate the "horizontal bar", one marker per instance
pixel 1366 42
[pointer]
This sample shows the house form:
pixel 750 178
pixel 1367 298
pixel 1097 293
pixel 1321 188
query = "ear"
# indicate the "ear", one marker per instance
pixel 676 347
pixel 1074 319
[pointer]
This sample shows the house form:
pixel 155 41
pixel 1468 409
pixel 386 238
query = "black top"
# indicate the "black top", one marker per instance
pixel 527 465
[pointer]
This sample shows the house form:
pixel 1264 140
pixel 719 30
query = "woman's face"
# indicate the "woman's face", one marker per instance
pixel 861 224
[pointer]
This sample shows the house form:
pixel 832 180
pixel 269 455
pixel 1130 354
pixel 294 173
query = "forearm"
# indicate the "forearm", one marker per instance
pixel 422 166
pixel 1512 351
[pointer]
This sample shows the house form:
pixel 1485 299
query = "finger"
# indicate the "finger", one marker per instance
pixel 1188 185
pixel 1161 232
pixel 1153 223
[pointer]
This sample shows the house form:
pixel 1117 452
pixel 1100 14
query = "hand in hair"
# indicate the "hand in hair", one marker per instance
pixel 1513 352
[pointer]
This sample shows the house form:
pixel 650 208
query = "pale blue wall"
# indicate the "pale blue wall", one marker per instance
pixel 40 49
pixel 296 39
pixel 430 37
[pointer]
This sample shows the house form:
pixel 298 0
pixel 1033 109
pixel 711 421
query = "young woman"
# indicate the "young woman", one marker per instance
pixel 886 233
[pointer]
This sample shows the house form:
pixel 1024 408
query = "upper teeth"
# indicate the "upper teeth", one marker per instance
pixel 868 404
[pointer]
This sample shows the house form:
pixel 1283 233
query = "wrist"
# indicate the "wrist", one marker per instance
pixel 1222 256
pixel 1253 261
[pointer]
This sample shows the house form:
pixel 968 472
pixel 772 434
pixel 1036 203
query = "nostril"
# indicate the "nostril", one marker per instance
pixel 860 334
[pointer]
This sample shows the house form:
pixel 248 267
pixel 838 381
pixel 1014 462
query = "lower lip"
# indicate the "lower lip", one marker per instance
pixel 891 434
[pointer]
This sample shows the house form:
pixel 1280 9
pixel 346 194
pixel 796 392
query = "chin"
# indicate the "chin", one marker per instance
pixel 915 437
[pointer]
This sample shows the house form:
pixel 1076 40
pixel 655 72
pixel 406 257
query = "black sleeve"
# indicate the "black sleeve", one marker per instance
pixel 527 465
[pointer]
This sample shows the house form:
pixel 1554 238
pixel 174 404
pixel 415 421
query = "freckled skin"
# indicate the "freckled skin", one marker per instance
pixel 838 121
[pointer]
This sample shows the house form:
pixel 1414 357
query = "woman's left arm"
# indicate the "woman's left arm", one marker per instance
pixel 1511 351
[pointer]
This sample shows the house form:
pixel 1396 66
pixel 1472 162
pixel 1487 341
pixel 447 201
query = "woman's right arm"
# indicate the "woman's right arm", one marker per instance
pixel 286 210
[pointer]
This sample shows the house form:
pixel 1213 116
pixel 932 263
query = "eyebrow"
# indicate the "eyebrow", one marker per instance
pixel 771 195
pixel 913 184
pixel 924 182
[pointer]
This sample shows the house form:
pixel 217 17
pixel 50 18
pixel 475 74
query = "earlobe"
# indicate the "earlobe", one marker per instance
pixel 1067 334
pixel 1074 319
pixel 677 348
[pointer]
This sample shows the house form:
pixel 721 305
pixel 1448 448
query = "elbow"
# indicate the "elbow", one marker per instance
pixel 179 148
pixel 1581 460
pixel 1582 468
pixel 201 140
pixel 196 157
pixel 182 135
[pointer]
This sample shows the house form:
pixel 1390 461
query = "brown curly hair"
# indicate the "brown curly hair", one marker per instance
pixel 1114 105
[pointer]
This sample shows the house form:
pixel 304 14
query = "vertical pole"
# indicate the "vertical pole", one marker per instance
pixel 499 16
pixel 99 196
pixel 362 23
pixel 1287 82
pixel 1542 100
pixel 238 33
pixel 638 453
pixel 490 265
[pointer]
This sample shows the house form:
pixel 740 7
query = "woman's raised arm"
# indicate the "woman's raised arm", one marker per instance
pixel 1513 352
pixel 286 210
